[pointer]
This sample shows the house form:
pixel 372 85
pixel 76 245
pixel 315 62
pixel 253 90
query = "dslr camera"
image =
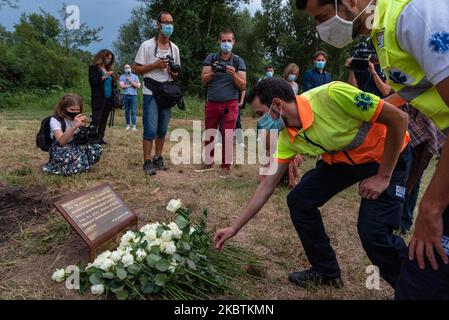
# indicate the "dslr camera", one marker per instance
pixel 362 54
pixel 174 67
pixel 87 135
pixel 219 66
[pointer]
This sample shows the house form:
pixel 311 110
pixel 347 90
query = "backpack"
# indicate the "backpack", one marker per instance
pixel 43 138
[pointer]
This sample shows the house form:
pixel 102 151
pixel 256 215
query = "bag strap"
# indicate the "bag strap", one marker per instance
pixel 156 47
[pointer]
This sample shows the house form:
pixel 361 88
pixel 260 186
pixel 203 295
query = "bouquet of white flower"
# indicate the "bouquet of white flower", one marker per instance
pixel 171 261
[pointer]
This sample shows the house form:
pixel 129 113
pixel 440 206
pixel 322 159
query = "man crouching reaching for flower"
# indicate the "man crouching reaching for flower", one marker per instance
pixel 361 138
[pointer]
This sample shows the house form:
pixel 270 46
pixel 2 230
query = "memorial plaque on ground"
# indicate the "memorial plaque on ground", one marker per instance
pixel 97 215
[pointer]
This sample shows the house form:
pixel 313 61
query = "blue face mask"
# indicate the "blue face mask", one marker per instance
pixel 268 123
pixel 320 64
pixel 269 74
pixel 292 77
pixel 167 30
pixel 226 47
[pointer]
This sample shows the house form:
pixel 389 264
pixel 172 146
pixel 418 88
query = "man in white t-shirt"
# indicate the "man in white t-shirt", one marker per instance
pixel 412 41
pixel 151 62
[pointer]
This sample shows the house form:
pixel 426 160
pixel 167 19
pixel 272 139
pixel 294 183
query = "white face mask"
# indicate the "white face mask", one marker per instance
pixel 337 31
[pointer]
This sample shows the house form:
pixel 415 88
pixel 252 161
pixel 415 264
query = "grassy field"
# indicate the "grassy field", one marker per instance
pixel 35 240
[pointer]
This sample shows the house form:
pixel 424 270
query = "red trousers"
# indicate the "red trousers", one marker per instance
pixel 225 113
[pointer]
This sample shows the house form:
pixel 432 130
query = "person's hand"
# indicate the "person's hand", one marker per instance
pixel 79 121
pixel 348 63
pixel 109 73
pixel 128 78
pixel 371 68
pixel 427 236
pixel 230 70
pixel 161 64
pixel 373 187
pixel 173 74
pixel 221 236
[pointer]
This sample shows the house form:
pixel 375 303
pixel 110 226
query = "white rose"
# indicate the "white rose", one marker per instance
pixel 174 205
pixel 141 254
pixel 151 235
pixel 128 237
pixel 167 236
pixel 104 255
pixel 97 289
pixel 116 256
pixel 172 267
pixel 192 230
pixel 107 264
pixel 58 275
pixel 177 233
pixel 154 243
pixel 170 248
pixel 128 260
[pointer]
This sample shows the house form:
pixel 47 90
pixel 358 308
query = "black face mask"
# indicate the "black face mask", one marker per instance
pixel 72 115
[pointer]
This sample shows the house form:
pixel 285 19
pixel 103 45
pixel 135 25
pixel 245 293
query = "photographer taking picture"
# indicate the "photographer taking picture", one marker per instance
pixel 75 148
pixel 224 74
pixel 158 60
pixel 365 72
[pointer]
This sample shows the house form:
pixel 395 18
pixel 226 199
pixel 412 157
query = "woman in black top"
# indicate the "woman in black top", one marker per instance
pixel 102 83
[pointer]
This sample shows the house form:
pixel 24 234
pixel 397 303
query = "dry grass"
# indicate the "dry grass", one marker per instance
pixel 28 258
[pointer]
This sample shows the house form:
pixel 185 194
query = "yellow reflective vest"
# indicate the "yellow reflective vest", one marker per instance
pixel 405 75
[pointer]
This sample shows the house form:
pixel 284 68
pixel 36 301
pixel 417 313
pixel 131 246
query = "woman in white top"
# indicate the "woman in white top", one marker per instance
pixel 291 74
pixel 67 155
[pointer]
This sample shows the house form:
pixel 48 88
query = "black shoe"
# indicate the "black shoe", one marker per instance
pixel 159 163
pixel 310 278
pixel 149 168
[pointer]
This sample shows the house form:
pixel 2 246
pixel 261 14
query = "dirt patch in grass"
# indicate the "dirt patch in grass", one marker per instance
pixel 20 206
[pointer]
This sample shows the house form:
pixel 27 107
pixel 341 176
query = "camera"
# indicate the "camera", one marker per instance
pixel 87 135
pixel 219 67
pixel 361 55
pixel 174 67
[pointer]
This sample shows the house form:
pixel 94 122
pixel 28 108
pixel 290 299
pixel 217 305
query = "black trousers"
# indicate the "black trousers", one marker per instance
pixel 100 115
pixel 377 218
pixel 427 284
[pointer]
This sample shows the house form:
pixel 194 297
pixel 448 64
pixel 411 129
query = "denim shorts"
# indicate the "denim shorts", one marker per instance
pixel 155 119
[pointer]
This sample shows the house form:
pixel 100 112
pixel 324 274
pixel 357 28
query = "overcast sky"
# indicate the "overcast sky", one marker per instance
pixel 110 14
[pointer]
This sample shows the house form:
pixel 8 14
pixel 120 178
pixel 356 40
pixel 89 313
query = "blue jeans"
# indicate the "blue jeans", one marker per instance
pixel 376 223
pixel 130 109
pixel 155 119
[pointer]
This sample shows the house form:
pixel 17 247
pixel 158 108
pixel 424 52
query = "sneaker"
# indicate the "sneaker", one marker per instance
pixel 127 128
pixel 205 168
pixel 149 168
pixel 310 278
pixel 135 129
pixel 225 173
pixel 159 163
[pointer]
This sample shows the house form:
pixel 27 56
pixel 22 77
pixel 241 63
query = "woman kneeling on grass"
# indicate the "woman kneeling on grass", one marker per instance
pixel 68 157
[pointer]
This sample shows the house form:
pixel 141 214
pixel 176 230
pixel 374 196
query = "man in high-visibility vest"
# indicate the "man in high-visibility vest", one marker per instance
pixel 362 139
pixel 412 42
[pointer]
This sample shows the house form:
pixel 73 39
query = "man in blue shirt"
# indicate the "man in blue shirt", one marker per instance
pixel 129 82
pixel 317 76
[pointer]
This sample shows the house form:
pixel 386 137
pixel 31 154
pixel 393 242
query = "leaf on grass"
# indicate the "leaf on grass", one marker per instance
pixel 95 279
pixel 191 264
pixel 121 273
pixel 122 295
pixel 182 222
pixel 162 265
pixel 160 279
pixel 134 269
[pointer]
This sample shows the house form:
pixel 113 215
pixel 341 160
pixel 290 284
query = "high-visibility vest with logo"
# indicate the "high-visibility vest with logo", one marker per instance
pixel 405 75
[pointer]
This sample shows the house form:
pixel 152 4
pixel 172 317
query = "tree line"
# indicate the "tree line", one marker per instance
pixel 41 53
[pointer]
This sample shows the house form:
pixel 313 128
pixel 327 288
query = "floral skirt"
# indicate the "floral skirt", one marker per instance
pixel 71 159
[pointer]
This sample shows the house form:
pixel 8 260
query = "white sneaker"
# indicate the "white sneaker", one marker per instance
pixel 135 129
pixel 127 128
